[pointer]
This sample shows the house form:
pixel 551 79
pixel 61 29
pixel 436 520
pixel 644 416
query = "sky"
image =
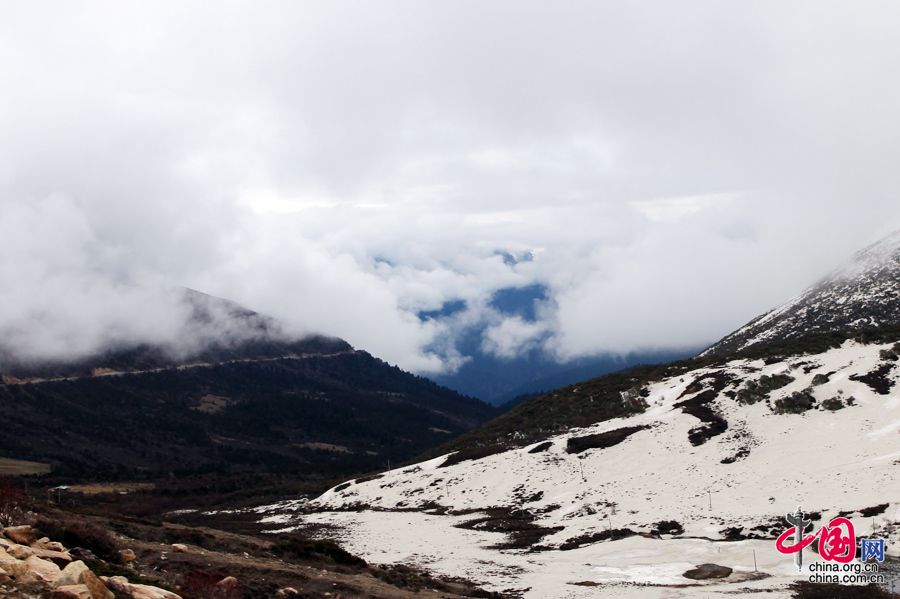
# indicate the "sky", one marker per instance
pixel 666 170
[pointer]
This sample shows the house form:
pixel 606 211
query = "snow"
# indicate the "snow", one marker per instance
pixel 826 461
pixel 863 294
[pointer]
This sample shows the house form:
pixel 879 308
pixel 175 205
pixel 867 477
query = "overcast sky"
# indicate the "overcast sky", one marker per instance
pixel 674 167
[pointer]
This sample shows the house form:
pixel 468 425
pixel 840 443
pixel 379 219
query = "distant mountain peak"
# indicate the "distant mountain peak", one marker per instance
pixel 864 294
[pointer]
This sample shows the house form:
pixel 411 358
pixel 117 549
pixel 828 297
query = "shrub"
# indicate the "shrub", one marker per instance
pixel 833 404
pixel 668 527
pixel 78 533
pixel 820 379
pixel 299 548
pixel 759 390
pixel 796 403
pixel 12 502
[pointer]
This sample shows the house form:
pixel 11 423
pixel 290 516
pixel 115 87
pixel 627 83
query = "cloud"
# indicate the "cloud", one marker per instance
pixel 675 169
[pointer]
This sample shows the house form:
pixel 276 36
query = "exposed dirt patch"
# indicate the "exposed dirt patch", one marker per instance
pixel 519 525
pixel 601 440
pixel 596 537
pixel 541 447
pixel 472 453
pixel 698 406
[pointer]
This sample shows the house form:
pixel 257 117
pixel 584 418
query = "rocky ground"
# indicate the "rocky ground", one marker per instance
pixel 64 554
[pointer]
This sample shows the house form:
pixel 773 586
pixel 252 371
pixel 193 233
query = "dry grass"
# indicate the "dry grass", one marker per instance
pixel 10 467
pixel 212 404
pixel 100 488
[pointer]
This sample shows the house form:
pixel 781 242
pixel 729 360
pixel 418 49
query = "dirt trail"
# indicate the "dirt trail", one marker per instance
pixel 102 372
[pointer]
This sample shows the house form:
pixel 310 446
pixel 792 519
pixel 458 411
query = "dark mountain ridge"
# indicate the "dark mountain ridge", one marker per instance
pixel 250 401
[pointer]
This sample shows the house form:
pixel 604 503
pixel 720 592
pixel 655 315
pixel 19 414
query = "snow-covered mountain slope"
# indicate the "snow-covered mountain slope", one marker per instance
pixel 863 295
pixel 624 507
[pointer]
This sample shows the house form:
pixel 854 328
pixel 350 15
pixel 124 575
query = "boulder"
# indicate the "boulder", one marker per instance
pixel 71 574
pixel 60 558
pixel 228 583
pixel 23 535
pixel 71 591
pixel 77 573
pixel 120 584
pixel 287 592
pixel 20 551
pixel 45 543
pixel 10 565
pixel 707 571
pixel 5 557
pixel 180 548
pixel 82 553
pixel 40 569
pixel 127 555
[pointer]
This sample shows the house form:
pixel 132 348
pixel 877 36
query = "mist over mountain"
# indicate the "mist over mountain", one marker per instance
pixel 505 355
pixel 862 295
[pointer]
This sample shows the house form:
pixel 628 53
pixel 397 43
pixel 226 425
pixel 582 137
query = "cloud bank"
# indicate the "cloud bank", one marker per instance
pixel 673 168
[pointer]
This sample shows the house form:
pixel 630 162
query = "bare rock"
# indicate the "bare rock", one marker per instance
pixel 82 553
pixel 41 570
pixel 71 591
pixel 120 584
pixel 60 558
pixel 707 571
pixel 20 551
pixel 23 535
pixel 228 583
pixel 77 573
pixel 10 565
pixel 71 574
pixel 127 556
pixel 45 543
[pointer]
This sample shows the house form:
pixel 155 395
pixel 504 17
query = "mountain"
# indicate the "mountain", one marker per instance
pixel 865 294
pixel 620 485
pixel 698 466
pixel 248 399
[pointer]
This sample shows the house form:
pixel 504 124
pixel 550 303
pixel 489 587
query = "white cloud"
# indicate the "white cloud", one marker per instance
pixel 678 168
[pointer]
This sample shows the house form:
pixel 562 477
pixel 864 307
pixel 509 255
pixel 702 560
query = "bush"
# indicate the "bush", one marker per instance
pixel 12 502
pixel 820 379
pixel 668 527
pixel 796 403
pixel 299 548
pixel 892 353
pixel 833 404
pixel 759 390
pixel 77 533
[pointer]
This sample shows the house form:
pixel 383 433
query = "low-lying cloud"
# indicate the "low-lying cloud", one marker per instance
pixel 673 169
